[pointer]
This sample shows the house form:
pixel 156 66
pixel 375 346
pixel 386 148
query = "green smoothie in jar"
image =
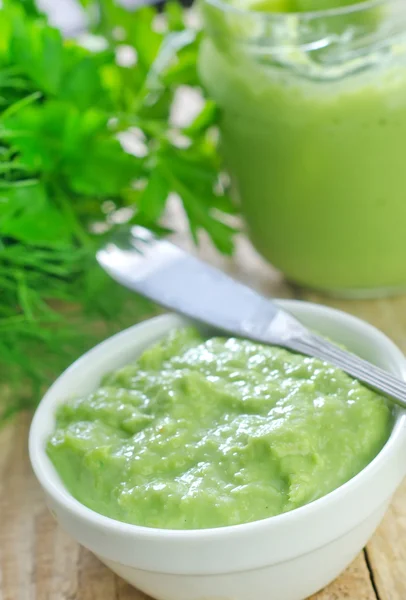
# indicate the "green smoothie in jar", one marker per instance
pixel 313 103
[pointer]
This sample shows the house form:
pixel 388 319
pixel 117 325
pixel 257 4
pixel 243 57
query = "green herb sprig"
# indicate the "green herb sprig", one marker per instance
pixel 64 177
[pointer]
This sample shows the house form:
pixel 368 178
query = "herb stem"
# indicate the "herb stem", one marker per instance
pixel 66 206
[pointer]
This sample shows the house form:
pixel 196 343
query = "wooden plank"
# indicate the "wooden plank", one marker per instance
pixel 387 551
pixel 20 499
pixel 354 584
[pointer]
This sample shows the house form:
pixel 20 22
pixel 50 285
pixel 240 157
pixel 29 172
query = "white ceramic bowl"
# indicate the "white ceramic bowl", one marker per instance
pixel 287 557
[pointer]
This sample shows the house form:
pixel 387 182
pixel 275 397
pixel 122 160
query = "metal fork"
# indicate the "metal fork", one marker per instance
pixel 171 277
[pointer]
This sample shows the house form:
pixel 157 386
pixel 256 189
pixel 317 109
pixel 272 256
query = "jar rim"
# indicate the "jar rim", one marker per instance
pixel 357 7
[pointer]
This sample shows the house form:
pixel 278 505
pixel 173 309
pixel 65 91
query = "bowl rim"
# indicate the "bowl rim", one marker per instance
pixel 57 491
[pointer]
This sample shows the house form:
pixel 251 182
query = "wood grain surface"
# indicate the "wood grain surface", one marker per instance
pixel 38 561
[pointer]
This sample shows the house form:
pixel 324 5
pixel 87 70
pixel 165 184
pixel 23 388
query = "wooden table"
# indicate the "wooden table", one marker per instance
pixel 40 562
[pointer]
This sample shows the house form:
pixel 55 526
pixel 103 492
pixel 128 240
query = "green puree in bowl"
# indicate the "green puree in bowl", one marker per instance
pixel 201 433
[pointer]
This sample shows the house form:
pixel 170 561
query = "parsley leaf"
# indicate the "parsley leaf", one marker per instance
pixel 65 175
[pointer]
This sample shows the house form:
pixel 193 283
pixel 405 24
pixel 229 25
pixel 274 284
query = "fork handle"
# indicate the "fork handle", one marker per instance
pixel 374 377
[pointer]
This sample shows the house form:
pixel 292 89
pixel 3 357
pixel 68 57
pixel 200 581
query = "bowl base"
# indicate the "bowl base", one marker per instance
pixel 296 579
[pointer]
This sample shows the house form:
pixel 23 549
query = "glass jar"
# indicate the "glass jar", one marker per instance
pixel 313 125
